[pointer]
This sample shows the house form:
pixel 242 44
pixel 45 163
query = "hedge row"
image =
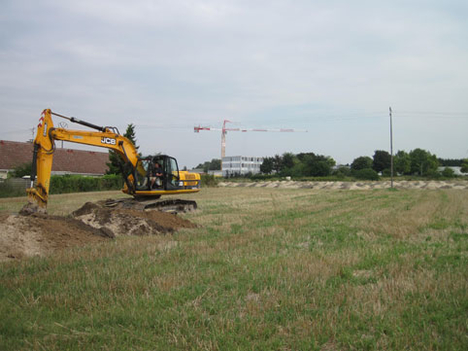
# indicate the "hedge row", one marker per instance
pixel 9 190
pixel 76 183
pixel 65 184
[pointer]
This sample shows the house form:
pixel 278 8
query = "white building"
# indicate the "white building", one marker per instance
pixel 456 170
pixel 240 165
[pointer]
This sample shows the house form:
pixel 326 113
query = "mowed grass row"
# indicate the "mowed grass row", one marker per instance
pixel 267 269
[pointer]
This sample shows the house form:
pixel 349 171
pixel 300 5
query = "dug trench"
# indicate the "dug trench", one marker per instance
pixel 40 234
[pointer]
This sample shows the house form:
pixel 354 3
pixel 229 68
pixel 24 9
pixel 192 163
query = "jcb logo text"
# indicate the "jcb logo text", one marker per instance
pixel 109 141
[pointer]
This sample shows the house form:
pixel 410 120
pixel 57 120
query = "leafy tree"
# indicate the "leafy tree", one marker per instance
pixel 361 162
pixel 303 155
pixel 448 162
pixel 299 169
pixel 423 162
pixel 319 168
pixel 116 161
pixel 432 165
pixel 303 164
pixel 331 162
pixel 21 170
pixel 381 160
pixel 342 172
pixel 317 165
pixel 402 162
pixel 464 166
pixel 203 166
pixel 288 161
pixel 215 164
pixel 267 166
pixel 277 163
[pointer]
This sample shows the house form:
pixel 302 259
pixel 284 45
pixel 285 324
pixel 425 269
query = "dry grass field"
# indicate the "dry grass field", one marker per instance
pixel 266 269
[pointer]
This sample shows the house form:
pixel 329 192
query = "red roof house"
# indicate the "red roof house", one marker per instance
pixel 66 161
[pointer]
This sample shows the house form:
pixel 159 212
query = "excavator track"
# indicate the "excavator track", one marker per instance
pixel 172 206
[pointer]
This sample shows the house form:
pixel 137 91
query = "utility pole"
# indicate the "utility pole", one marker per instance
pixel 391 148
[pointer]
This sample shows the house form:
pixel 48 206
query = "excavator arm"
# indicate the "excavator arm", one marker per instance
pixel 44 146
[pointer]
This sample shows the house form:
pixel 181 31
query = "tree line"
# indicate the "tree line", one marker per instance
pixel 213 165
pixel 416 162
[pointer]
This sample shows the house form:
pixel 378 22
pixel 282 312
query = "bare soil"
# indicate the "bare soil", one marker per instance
pixel 40 235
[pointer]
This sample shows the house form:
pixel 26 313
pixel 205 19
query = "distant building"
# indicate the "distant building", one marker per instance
pixel 66 161
pixel 456 170
pixel 335 167
pixel 197 170
pixel 216 173
pixel 240 165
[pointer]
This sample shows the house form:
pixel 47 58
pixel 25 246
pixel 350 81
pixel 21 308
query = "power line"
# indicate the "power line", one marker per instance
pixel 16 131
pixel 433 113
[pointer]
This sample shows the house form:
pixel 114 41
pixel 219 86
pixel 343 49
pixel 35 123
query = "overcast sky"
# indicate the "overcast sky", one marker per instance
pixel 331 67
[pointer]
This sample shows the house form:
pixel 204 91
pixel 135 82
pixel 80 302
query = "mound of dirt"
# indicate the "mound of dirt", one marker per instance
pixel 39 234
pixel 129 222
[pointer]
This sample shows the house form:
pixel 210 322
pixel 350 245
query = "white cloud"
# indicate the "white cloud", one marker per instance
pixel 263 63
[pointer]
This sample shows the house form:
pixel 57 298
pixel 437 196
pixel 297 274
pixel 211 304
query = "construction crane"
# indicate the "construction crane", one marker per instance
pixel 224 131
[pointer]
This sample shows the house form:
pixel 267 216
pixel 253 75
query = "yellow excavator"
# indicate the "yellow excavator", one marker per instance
pixel 142 180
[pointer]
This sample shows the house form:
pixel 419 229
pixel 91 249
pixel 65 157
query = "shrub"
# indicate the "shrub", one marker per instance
pixel 260 177
pixel 464 166
pixel 341 172
pixel 362 162
pixel 21 170
pixel 448 172
pixel 208 180
pixel 366 174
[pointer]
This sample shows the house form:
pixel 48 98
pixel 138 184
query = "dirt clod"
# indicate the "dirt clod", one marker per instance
pixel 41 234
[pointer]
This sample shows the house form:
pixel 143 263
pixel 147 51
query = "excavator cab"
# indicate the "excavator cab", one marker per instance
pixel 158 175
pixel 171 178
pixel 161 167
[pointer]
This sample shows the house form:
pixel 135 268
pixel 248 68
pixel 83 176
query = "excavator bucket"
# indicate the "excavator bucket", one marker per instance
pixel 37 203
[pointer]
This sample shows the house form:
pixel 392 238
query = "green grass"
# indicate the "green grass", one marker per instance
pixel 60 204
pixel 267 269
